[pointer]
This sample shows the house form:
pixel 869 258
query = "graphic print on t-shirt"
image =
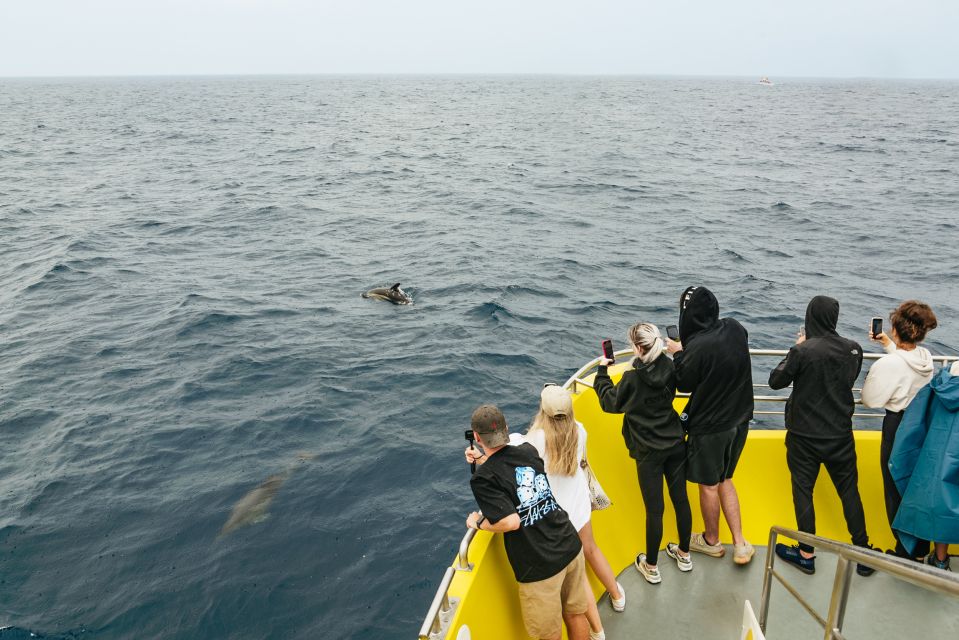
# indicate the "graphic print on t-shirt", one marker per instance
pixel 535 498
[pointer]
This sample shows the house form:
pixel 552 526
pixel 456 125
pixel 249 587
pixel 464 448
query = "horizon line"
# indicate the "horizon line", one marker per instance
pixel 95 76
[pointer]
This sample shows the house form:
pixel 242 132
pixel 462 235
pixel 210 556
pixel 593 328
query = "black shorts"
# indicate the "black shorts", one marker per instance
pixel 712 457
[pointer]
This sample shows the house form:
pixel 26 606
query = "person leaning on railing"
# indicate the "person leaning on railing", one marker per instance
pixel 655 439
pixel 822 368
pixel 513 493
pixel 713 366
pixel 561 442
pixel 892 383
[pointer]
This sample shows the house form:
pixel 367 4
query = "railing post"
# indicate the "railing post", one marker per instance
pixel 840 594
pixel 767 580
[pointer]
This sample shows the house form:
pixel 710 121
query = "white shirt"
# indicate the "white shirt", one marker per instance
pixel 895 379
pixel 571 492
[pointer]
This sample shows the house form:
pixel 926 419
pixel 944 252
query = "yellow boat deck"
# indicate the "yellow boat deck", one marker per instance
pixel 710 599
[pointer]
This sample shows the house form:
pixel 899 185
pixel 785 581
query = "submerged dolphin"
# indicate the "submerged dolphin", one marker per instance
pixel 254 506
pixel 394 294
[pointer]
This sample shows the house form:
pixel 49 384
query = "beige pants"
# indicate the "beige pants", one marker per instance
pixel 543 603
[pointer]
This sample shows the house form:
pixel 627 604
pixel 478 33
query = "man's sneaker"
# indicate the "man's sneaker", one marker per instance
pixel 743 553
pixel 795 558
pixel 697 542
pixel 933 561
pixel 618 605
pixel 650 573
pixel 597 635
pixel 673 551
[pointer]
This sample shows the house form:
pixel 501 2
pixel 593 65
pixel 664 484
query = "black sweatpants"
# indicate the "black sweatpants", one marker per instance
pixel 890 424
pixel 804 457
pixel 651 469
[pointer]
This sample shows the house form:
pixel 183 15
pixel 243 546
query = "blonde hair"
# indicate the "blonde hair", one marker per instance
pixel 647 337
pixel 562 442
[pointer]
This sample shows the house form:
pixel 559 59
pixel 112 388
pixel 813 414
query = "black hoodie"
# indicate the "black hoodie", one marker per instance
pixel 822 370
pixel 713 366
pixel 645 395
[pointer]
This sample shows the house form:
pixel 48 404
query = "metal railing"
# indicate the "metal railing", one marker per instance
pixel 848 557
pixel 578 379
pixel 442 608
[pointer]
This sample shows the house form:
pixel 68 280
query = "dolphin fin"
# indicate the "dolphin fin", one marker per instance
pixel 395 287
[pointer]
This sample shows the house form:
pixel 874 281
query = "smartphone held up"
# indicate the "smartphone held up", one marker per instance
pixel 876 327
pixel 608 353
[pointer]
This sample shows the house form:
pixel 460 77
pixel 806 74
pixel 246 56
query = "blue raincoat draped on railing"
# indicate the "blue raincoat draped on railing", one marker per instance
pixel 925 464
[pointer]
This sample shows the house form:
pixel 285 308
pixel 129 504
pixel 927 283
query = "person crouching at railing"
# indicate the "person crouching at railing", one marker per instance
pixel 561 442
pixel 513 492
pixel 655 439
pixel 893 381
pixel 822 367
pixel 925 466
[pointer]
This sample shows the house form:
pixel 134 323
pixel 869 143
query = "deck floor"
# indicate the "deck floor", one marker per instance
pixel 707 603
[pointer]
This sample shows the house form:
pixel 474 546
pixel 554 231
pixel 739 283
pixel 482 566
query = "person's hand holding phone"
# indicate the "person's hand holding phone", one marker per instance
pixel 801 334
pixel 605 362
pixel 673 347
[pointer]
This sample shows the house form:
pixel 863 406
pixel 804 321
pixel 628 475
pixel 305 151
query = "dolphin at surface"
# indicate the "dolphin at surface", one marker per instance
pixel 393 294
pixel 254 506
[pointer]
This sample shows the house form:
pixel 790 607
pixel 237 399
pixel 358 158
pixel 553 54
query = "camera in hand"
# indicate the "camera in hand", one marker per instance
pixel 876 327
pixel 608 350
pixel 672 332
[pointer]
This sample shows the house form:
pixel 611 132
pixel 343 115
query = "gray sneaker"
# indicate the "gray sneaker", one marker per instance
pixel 650 573
pixel 673 551
pixel 697 542
pixel 743 553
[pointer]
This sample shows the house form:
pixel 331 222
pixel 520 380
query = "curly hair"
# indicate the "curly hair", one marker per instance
pixel 912 320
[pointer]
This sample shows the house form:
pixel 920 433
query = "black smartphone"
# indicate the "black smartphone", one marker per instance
pixel 608 350
pixel 876 327
pixel 672 332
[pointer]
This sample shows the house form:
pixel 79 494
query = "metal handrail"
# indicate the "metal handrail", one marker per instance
pixel 440 604
pixel 849 556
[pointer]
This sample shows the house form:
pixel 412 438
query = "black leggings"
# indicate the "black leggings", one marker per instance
pixel 651 469
pixel 890 424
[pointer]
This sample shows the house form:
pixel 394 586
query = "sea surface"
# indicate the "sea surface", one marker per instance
pixel 181 263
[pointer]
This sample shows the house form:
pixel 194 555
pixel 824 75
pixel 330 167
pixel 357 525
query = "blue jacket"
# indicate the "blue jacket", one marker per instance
pixel 925 464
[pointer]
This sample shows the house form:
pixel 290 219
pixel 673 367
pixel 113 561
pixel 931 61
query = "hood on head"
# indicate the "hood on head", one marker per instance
pixel 946 386
pixel 698 311
pixel 822 314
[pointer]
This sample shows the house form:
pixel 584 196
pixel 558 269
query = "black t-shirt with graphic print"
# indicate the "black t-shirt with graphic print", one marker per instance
pixel 513 481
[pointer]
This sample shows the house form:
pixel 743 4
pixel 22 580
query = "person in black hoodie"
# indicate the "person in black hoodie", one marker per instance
pixel 654 438
pixel 713 365
pixel 822 367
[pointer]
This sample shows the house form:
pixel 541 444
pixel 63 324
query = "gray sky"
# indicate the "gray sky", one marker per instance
pixel 886 38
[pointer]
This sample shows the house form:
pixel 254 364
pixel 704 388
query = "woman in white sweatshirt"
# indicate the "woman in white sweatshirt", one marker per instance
pixel 892 383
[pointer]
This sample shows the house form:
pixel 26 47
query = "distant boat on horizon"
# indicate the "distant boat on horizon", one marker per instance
pixel 765 80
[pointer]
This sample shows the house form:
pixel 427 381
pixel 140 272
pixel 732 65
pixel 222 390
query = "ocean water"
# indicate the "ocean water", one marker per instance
pixel 181 263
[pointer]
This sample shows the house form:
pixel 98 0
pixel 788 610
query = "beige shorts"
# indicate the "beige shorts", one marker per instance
pixel 543 603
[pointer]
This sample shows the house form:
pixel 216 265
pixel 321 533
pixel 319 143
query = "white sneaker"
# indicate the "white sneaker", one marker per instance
pixel 619 605
pixel 650 573
pixel 673 551
pixel 597 635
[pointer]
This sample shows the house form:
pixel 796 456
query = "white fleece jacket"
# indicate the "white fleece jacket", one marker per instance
pixel 895 379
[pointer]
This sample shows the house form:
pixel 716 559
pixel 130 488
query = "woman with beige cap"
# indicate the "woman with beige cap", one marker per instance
pixel 561 443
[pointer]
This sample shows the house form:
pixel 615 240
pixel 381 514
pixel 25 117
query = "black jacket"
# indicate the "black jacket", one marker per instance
pixel 645 395
pixel 822 370
pixel 713 366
